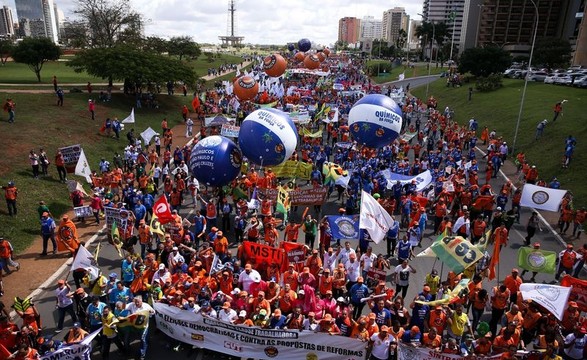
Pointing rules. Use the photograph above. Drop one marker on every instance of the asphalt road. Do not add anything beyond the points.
(109, 261)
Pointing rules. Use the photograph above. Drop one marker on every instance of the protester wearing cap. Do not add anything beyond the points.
(325, 282)
(64, 304)
(174, 260)
(314, 263)
(76, 333)
(353, 270)
(261, 319)
(227, 314)
(381, 344)
(412, 337)
(571, 317)
(432, 340)
(513, 282)
(310, 322)
(567, 260)
(48, 227)
(575, 343)
(328, 325)
(357, 292)
(161, 274)
(243, 320)
(278, 320)
(247, 278)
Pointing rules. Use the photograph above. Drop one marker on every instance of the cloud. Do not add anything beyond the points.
(259, 21)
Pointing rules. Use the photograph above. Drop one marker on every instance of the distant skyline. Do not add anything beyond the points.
(259, 21)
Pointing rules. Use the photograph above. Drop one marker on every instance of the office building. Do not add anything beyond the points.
(393, 21)
(580, 53)
(32, 12)
(370, 28)
(349, 30)
(413, 39)
(6, 22)
(450, 12)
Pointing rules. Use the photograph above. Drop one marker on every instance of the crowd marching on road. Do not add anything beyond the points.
(197, 257)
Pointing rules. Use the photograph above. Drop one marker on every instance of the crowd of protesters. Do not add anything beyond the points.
(331, 291)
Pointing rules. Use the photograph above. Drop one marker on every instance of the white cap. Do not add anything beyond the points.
(243, 313)
(235, 291)
(161, 266)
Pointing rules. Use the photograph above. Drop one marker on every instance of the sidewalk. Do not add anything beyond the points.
(212, 77)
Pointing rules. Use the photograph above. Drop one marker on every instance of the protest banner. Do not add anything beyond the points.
(71, 156)
(543, 198)
(293, 169)
(407, 352)
(456, 253)
(407, 136)
(315, 196)
(578, 292)
(308, 133)
(455, 294)
(83, 211)
(537, 260)
(76, 351)
(422, 180)
(295, 253)
(229, 130)
(263, 255)
(344, 227)
(120, 216)
(254, 342)
(376, 274)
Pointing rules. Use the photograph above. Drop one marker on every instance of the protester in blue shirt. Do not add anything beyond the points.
(127, 270)
(119, 293)
(140, 212)
(419, 312)
(357, 292)
(48, 232)
(392, 235)
(94, 312)
(277, 321)
(404, 250)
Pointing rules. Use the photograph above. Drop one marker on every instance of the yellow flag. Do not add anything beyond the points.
(156, 226)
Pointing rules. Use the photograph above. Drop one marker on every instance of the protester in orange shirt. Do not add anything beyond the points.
(499, 301)
(513, 282)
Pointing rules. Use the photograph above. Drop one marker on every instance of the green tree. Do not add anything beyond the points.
(183, 46)
(155, 44)
(402, 39)
(109, 22)
(552, 53)
(484, 61)
(381, 48)
(427, 31)
(35, 52)
(123, 62)
(6, 47)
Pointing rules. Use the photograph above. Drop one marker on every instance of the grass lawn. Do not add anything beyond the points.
(40, 123)
(15, 73)
(499, 110)
(418, 70)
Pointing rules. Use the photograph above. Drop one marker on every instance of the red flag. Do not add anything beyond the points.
(4, 353)
(295, 253)
(196, 103)
(261, 256)
(494, 260)
(162, 211)
(578, 292)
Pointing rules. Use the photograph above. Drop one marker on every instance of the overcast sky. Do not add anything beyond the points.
(259, 21)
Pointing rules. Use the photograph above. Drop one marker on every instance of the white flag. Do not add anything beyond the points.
(542, 198)
(374, 218)
(131, 118)
(402, 76)
(82, 168)
(554, 298)
(148, 134)
(85, 260)
(73, 185)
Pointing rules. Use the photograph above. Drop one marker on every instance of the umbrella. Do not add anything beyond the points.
(219, 120)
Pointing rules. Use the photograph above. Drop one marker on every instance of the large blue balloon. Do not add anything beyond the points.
(291, 47)
(304, 45)
(375, 120)
(268, 137)
(215, 161)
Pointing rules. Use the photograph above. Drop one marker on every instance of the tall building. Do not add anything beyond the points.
(36, 11)
(413, 39)
(394, 20)
(450, 12)
(370, 28)
(6, 22)
(510, 23)
(349, 30)
(580, 54)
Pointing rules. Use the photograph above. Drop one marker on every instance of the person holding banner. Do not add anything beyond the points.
(382, 344)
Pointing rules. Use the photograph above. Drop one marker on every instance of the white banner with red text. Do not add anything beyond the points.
(254, 342)
(407, 352)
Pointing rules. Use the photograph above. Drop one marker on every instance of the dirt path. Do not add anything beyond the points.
(34, 269)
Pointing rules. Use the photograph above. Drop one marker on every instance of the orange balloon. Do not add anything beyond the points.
(321, 56)
(274, 65)
(326, 51)
(312, 62)
(299, 57)
(246, 88)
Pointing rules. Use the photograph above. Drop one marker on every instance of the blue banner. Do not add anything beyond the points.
(344, 227)
(422, 180)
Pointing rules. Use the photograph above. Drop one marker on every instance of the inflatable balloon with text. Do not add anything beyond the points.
(274, 65)
(312, 62)
(304, 45)
(268, 137)
(215, 161)
(246, 87)
(375, 120)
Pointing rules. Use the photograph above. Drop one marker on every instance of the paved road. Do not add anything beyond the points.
(109, 262)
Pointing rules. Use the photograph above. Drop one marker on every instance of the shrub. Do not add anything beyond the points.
(489, 83)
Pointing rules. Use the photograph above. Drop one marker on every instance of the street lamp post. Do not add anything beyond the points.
(430, 59)
(526, 77)
(452, 39)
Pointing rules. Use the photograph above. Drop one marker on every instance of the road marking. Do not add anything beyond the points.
(52, 280)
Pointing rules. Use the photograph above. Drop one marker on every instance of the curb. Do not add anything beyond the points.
(62, 269)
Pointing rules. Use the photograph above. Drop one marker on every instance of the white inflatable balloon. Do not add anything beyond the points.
(375, 120)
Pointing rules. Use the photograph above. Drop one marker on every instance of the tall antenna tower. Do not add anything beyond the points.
(231, 39)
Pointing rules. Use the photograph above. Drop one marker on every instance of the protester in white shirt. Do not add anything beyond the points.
(353, 270)
(344, 253)
(329, 259)
(227, 314)
(247, 277)
(381, 344)
(367, 260)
